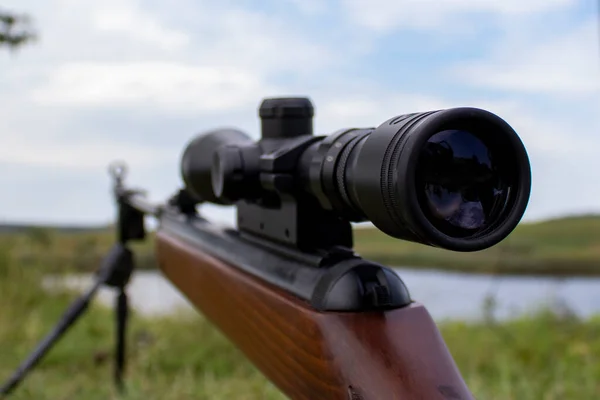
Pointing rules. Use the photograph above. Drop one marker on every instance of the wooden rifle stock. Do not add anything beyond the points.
(310, 355)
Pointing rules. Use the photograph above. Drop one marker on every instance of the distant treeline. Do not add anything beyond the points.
(59, 228)
(23, 228)
(565, 246)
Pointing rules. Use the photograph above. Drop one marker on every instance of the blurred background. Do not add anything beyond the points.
(83, 83)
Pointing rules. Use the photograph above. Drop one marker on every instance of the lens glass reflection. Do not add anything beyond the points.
(460, 183)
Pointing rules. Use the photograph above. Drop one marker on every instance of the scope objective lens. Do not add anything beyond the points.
(456, 178)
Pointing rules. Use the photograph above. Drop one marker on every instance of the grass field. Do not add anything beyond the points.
(567, 246)
(183, 357)
(179, 357)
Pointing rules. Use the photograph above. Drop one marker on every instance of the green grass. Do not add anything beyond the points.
(179, 357)
(59, 251)
(183, 357)
(540, 357)
(566, 246)
(562, 247)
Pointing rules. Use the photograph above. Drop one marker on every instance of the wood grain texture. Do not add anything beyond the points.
(312, 355)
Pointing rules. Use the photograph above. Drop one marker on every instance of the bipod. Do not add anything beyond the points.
(115, 271)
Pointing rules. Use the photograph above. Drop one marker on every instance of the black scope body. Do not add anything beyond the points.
(456, 178)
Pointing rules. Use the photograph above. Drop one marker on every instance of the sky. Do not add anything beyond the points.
(137, 80)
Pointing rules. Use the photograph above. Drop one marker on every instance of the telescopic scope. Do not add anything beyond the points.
(457, 178)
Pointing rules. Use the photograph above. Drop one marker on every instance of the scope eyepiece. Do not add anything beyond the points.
(457, 178)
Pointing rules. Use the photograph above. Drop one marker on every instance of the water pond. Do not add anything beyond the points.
(446, 295)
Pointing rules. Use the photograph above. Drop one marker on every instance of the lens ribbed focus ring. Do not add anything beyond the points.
(342, 170)
(390, 162)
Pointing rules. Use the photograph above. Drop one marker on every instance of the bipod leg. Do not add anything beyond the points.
(122, 313)
(115, 267)
(119, 279)
(68, 319)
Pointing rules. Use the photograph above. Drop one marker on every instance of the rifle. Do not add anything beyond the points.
(285, 286)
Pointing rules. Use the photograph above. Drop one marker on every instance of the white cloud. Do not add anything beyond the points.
(384, 15)
(117, 56)
(123, 54)
(565, 64)
(91, 155)
(541, 135)
(264, 44)
(373, 107)
(129, 19)
(310, 7)
(140, 73)
(172, 87)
